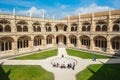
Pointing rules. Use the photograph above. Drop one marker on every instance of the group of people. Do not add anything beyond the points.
(63, 65)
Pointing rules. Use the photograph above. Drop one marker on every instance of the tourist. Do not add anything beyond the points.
(62, 55)
(94, 58)
(57, 65)
(73, 67)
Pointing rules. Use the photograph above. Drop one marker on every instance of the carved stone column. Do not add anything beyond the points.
(91, 43)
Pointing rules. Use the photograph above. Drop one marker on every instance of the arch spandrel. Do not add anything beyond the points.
(25, 37)
(6, 38)
(5, 21)
(22, 22)
(40, 36)
(51, 35)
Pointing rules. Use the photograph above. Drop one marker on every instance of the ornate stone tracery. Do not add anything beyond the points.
(94, 33)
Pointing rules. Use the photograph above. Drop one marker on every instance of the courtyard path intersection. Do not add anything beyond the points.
(60, 74)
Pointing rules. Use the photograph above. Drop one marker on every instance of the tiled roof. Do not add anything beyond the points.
(114, 12)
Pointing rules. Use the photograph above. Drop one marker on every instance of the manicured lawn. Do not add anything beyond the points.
(41, 55)
(24, 73)
(84, 55)
(100, 72)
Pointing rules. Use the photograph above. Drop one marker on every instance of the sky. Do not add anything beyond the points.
(57, 8)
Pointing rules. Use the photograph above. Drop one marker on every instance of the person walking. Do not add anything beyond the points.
(94, 58)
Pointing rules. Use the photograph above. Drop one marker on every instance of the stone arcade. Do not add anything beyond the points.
(95, 32)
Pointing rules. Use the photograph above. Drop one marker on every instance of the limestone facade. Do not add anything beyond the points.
(94, 32)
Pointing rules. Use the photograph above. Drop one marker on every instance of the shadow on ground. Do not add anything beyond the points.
(106, 71)
(4, 75)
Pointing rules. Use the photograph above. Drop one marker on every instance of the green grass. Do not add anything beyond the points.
(100, 72)
(84, 55)
(18, 72)
(41, 55)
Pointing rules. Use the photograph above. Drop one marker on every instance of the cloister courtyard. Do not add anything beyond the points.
(79, 44)
(52, 64)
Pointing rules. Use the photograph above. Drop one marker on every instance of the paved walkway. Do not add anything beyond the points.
(60, 74)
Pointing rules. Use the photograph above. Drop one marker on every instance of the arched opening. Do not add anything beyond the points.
(56, 28)
(7, 28)
(115, 42)
(73, 40)
(88, 28)
(104, 28)
(38, 29)
(38, 40)
(25, 29)
(83, 28)
(61, 40)
(6, 43)
(65, 28)
(22, 26)
(34, 28)
(101, 26)
(1, 28)
(72, 28)
(23, 42)
(49, 39)
(5, 23)
(116, 28)
(19, 28)
(98, 28)
(61, 27)
(100, 43)
(49, 29)
(85, 42)
(76, 28)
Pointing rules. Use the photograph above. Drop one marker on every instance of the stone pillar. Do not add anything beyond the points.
(54, 41)
(53, 27)
(68, 21)
(92, 24)
(43, 27)
(44, 42)
(68, 41)
(0, 47)
(108, 46)
(13, 24)
(79, 25)
(109, 28)
(30, 27)
(31, 45)
(78, 42)
(15, 47)
(91, 44)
